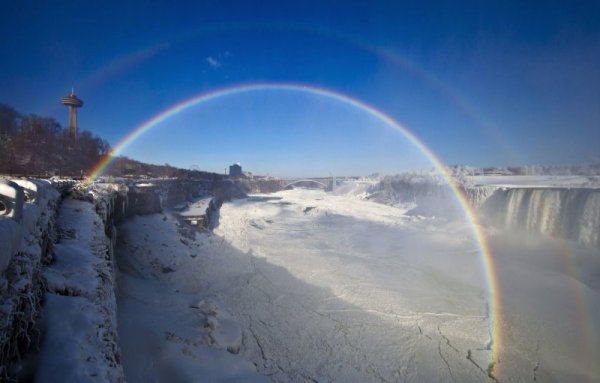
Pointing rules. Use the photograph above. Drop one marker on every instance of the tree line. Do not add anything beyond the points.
(31, 145)
(129, 168)
(36, 146)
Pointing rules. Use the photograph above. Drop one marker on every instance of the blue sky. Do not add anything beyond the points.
(479, 82)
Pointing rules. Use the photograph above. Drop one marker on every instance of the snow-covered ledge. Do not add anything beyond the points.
(80, 338)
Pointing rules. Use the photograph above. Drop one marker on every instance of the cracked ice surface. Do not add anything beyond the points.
(307, 286)
(322, 288)
(332, 288)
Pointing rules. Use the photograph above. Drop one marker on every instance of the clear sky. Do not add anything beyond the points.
(479, 82)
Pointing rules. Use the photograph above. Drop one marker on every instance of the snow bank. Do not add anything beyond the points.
(80, 338)
(168, 331)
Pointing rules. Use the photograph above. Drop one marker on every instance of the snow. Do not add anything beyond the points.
(24, 238)
(303, 293)
(305, 285)
(168, 333)
(70, 350)
(79, 341)
(11, 234)
(197, 208)
(11, 197)
(418, 194)
(348, 275)
(371, 282)
(537, 181)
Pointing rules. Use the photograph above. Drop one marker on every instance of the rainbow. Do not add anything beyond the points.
(121, 64)
(469, 213)
(588, 328)
(384, 53)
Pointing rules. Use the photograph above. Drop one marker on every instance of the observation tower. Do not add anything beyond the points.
(73, 102)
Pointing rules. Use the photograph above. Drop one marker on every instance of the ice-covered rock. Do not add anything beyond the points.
(477, 195)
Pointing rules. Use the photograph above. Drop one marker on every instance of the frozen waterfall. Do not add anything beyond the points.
(560, 212)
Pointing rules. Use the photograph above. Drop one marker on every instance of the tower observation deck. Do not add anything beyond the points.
(73, 102)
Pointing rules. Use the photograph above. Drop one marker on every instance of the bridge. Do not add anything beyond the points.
(318, 183)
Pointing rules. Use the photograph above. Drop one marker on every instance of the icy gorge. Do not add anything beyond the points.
(380, 279)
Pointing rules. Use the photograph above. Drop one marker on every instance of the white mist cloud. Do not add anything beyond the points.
(213, 62)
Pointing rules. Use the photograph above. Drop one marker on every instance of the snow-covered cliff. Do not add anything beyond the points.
(563, 207)
(27, 231)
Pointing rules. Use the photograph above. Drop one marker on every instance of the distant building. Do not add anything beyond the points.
(235, 170)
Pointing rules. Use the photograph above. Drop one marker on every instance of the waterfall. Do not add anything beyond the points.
(566, 213)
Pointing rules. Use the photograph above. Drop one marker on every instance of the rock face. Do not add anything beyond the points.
(151, 197)
(144, 200)
(226, 190)
(181, 191)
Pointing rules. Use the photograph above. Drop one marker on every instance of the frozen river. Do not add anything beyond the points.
(338, 289)
(303, 285)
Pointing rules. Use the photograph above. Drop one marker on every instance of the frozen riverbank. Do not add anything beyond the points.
(322, 287)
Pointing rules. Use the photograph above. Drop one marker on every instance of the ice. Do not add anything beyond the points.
(537, 181)
(225, 332)
(79, 338)
(309, 285)
(168, 332)
(67, 329)
(305, 293)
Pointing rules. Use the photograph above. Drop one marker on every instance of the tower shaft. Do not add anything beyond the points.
(73, 102)
(72, 121)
